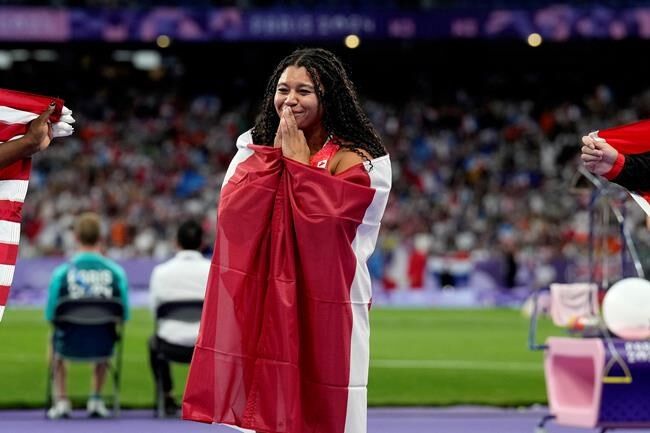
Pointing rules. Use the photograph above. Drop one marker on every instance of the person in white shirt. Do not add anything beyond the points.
(183, 277)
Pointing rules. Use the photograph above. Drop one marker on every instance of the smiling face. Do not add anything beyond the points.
(296, 90)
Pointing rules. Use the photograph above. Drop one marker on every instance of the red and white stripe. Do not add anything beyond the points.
(361, 294)
(17, 109)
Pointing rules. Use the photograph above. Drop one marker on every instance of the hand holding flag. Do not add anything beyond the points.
(28, 123)
(39, 134)
(605, 153)
(597, 155)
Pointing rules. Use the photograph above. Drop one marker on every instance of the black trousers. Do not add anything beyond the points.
(161, 353)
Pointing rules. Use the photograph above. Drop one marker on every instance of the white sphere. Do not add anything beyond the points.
(626, 308)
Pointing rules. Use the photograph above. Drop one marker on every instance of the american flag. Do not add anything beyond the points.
(17, 109)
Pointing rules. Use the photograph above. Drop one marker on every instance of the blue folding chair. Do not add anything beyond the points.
(75, 320)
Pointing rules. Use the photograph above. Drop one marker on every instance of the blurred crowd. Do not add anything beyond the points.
(497, 179)
(473, 178)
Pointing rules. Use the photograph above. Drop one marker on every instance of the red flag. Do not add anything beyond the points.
(17, 109)
(630, 139)
(283, 344)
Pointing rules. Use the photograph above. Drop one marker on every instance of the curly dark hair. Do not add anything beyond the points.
(343, 116)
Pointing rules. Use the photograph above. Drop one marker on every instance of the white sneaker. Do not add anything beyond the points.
(60, 409)
(96, 408)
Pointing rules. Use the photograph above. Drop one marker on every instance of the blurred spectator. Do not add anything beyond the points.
(87, 275)
(184, 277)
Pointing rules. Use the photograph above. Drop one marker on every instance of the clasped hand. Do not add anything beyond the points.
(597, 155)
(291, 139)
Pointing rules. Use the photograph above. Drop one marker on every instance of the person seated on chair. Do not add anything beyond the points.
(183, 277)
(87, 275)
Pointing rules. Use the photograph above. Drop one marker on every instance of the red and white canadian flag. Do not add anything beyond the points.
(284, 339)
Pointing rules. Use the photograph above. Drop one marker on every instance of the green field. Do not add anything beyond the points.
(418, 357)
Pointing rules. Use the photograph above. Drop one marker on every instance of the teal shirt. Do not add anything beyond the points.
(87, 275)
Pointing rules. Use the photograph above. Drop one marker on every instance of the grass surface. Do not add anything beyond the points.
(418, 357)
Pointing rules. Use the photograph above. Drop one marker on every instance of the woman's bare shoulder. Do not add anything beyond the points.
(346, 158)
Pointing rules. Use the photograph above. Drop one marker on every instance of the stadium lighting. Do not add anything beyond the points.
(20, 55)
(352, 41)
(146, 60)
(6, 60)
(163, 41)
(534, 40)
(122, 55)
(46, 55)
